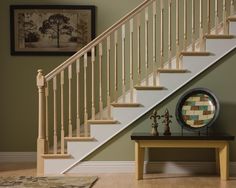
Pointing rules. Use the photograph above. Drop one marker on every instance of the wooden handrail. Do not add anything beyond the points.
(97, 40)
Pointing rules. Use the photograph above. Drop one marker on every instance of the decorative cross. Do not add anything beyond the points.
(167, 121)
(155, 116)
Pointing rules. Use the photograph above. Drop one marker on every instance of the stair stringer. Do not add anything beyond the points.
(149, 99)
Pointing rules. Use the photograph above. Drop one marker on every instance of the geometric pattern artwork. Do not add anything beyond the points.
(198, 110)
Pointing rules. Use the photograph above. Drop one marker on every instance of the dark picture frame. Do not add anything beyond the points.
(207, 98)
(51, 29)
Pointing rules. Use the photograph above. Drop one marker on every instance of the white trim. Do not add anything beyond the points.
(149, 167)
(17, 157)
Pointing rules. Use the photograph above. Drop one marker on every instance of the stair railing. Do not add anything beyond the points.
(121, 58)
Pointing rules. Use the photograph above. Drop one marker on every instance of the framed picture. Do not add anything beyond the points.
(50, 29)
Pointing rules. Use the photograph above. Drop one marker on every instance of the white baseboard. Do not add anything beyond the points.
(17, 157)
(149, 167)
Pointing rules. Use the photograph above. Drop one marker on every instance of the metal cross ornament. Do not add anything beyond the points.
(155, 116)
(167, 121)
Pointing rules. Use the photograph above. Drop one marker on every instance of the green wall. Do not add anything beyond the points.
(18, 112)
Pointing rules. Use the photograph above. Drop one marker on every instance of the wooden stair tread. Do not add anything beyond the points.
(232, 18)
(219, 36)
(79, 139)
(56, 156)
(195, 53)
(125, 104)
(149, 87)
(108, 121)
(172, 70)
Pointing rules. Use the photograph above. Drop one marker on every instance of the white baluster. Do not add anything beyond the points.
(185, 26)
(46, 118)
(161, 34)
(208, 17)
(225, 23)
(201, 27)
(232, 7)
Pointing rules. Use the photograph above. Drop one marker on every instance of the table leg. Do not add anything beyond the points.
(224, 161)
(217, 160)
(139, 161)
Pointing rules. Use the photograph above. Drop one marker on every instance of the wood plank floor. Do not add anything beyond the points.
(128, 181)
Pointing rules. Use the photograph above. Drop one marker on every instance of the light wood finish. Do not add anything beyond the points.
(56, 156)
(132, 105)
(108, 78)
(201, 29)
(62, 112)
(139, 48)
(232, 18)
(154, 53)
(78, 139)
(123, 62)
(193, 25)
(216, 17)
(161, 34)
(172, 70)
(221, 145)
(139, 159)
(169, 34)
(93, 100)
(55, 115)
(146, 46)
(195, 53)
(69, 103)
(41, 122)
(149, 87)
(120, 180)
(46, 118)
(100, 81)
(219, 36)
(131, 56)
(86, 133)
(208, 16)
(99, 39)
(232, 7)
(185, 26)
(109, 121)
(78, 97)
(116, 65)
(177, 35)
(225, 23)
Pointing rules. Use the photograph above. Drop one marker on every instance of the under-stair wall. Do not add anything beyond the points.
(132, 69)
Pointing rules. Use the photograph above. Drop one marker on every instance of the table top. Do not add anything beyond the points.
(180, 136)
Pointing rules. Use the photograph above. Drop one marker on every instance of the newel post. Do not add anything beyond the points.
(41, 123)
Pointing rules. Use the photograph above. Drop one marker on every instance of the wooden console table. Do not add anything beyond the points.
(218, 141)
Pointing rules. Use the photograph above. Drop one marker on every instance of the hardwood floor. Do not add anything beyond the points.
(128, 181)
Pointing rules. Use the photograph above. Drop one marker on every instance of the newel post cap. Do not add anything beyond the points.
(40, 78)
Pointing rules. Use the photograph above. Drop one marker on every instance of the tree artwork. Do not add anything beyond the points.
(55, 26)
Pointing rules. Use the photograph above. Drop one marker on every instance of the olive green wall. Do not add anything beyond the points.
(220, 79)
(18, 112)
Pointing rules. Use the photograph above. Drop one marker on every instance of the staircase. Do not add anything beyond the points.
(134, 65)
